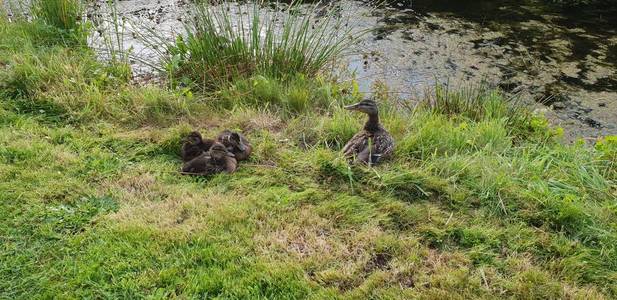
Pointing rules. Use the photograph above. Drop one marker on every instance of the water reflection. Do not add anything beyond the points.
(563, 58)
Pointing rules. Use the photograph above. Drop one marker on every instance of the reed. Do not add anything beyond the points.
(228, 41)
(66, 16)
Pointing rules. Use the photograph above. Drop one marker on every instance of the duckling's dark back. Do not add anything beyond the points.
(194, 145)
(236, 143)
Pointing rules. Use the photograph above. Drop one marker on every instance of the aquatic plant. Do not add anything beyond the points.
(481, 102)
(111, 29)
(64, 15)
(229, 41)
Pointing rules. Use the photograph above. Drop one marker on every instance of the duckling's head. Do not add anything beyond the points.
(219, 151)
(236, 142)
(366, 106)
(194, 138)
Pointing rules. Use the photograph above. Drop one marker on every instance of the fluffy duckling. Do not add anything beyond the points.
(373, 143)
(194, 145)
(216, 160)
(236, 143)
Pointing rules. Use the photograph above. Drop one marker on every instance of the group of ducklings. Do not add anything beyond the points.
(210, 156)
(369, 146)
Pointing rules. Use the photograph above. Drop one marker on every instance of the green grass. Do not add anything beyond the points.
(479, 201)
(293, 96)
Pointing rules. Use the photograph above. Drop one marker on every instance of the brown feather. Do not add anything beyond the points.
(233, 145)
(382, 146)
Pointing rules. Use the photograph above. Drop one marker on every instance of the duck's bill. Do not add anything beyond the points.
(352, 107)
(230, 154)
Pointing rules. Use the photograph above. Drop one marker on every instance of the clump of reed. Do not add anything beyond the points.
(65, 16)
(226, 42)
(482, 102)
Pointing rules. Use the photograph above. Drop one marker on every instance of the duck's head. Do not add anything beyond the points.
(219, 151)
(193, 138)
(366, 106)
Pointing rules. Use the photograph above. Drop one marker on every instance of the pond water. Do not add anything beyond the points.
(563, 59)
(562, 62)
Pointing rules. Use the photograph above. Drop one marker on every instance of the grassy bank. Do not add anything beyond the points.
(480, 200)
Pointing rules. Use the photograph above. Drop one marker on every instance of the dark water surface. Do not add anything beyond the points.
(565, 59)
(587, 30)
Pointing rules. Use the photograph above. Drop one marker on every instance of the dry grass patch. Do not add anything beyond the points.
(346, 259)
(307, 236)
(182, 213)
(148, 201)
(252, 120)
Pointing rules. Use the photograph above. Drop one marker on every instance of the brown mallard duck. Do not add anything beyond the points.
(194, 145)
(236, 143)
(373, 143)
(216, 160)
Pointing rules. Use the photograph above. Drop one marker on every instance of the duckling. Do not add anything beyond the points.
(216, 160)
(236, 143)
(194, 145)
(373, 143)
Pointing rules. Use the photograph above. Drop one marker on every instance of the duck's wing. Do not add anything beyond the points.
(207, 144)
(383, 143)
(383, 146)
(230, 164)
(190, 152)
(244, 140)
(364, 156)
(223, 137)
(197, 164)
(356, 144)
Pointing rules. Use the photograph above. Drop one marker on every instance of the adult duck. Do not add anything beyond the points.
(373, 143)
